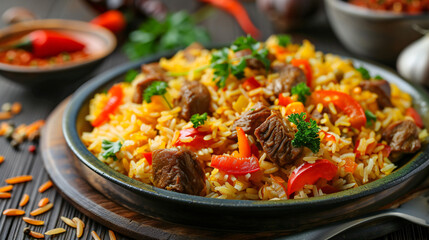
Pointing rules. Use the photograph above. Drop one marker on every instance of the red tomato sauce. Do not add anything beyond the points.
(21, 57)
(398, 6)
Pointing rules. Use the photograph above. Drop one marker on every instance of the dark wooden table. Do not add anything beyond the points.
(38, 105)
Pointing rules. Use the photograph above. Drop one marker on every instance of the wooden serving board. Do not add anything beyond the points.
(60, 164)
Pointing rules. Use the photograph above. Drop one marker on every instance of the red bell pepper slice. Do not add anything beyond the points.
(116, 96)
(148, 157)
(197, 141)
(284, 101)
(343, 102)
(237, 10)
(113, 20)
(386, 150)
(255, 151)
(309, 173)
(234, 165)
(368, 150)
(243, 143)
(251, 84)
(307, 69)
(416, 116)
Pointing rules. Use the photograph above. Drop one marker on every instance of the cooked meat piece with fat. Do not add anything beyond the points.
(289, 76)
(152, 72)
(276, 135)
(250, 120)
(402, 136)
(194, 98)
(177, 170)
(382, 89)
(189, 51)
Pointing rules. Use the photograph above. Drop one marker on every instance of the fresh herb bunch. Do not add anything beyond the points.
(308, 132)
(157, 88)
(177, 30)
(364, 72)
(131, 75)
(370, 117)
(223, 66)
(284, 40)
(198, 120)
(110, 149)
(302, 90)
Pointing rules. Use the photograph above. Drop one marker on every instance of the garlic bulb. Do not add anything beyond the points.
(413, 62)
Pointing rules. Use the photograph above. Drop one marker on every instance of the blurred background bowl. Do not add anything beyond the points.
(99, 44)
(378, 35)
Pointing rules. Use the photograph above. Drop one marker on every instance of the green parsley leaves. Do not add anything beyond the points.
(308, 132)
(370, 117)
(177, 30)
(156, 88)
(110, 149)
(198, 120)
(258, 51)
(130, 76)
(302, 90)
(364, 72)
(284, 40)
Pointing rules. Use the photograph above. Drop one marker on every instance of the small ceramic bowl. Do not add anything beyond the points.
(377, 35)
(238, 215)
(99, 44)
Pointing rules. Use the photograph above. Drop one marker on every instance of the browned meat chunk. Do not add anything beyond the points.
(189, 51)
(317, 116)
(177, 170)
(402, 136)
(289, 76)
(194, 98)
(152, 72)
(250, 120)
(382, 89)
(275, 136)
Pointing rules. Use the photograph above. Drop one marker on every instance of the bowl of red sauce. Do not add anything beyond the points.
(52, 52)
(377, 30)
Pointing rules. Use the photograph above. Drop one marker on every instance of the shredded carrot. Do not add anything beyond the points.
(19, 179)
(16, 108)
(43, 202)
(45, 186)
(6, 188)
(4, 195)
(13, 212)
(5, 115)
(34, 127)
(24, 200)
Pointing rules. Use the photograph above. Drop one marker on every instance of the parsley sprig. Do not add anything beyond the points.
(308, 132)
(157, 88)
(364, 72)
(302, 90)
(130, 76)
(283, 40)
(110, 149)
(198, 120)
(370, 117)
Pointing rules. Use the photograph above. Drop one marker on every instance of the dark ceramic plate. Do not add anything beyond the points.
(244, 215)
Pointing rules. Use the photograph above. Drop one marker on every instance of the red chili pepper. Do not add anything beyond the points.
(197, 139)
(116, 96)
(251, 84)
(309, 173)
(284, 101)
(416, 116)
(235, 8)
(343, 102)
(234, 165)
(44, 43)
(113, 20)
(307, 68)
(148, 157)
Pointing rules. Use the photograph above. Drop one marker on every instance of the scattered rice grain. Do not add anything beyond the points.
(43, 202)
(13, 212)
(41, 210)
(79, 226)
(45, 186)
(95, 235)
(33, 221)
(19, 179)
(55, 231)
(68, 222)
(24, 200)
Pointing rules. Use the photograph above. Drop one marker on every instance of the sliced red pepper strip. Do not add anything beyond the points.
(284, 101)
(344, 103)
(197, 141)
(255, 151)
(251, 84)
(237, 10)
(116, 96)
(148, 157)
(113, 20)
(234, 165)
(309, 173)
(386, 150)
(243, 143)
(416, 116)
(307, 68)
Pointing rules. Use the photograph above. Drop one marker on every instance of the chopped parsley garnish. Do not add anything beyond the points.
(378, 77)
(110, 148)
(370, 117)
(302, 90)
(223, 66)
(308, 132)
(131, 75)
(364, 72)
(157, 88)
(283, 40)
(198, 120)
